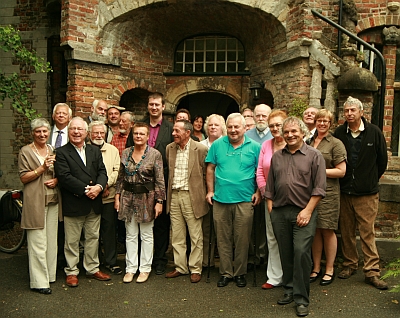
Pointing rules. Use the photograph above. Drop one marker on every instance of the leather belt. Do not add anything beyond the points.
(138, 187)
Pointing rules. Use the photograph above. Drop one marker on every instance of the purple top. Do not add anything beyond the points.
(153, 134)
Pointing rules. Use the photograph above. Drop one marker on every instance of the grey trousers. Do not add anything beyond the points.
(236, 219)
(295, 249)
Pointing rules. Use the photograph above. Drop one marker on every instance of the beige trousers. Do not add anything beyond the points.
(181, 215)
(42, 250)
(73, 228)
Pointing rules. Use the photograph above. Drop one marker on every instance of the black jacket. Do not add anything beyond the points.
(73, 176)
(363, 178)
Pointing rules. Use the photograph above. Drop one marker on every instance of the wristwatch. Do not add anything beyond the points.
(160, 201)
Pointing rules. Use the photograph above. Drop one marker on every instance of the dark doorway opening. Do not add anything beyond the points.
(205, 104)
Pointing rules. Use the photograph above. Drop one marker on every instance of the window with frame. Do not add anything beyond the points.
(371, 62)
(210, 54)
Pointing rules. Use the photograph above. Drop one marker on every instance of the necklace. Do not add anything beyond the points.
(37, 151)
(132, 173)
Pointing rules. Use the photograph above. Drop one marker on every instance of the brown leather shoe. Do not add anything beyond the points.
(99, 276)
(72, 281)
(195, 277)
(346, 272)
(173, 274)
(376, 282)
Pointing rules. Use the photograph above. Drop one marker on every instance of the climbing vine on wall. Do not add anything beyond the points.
(15, 86)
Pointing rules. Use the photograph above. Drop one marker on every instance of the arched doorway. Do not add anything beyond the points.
(205, 104)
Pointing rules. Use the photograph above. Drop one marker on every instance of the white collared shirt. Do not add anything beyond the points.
(81, 152)
(357, 132)
(64, 135)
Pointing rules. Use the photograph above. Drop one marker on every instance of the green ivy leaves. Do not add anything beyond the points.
(15, 86)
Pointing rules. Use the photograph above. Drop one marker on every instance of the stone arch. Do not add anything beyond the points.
(377, 21)
(110, 10)
(192, 86)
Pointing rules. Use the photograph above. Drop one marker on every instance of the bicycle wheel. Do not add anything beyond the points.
(12, 237)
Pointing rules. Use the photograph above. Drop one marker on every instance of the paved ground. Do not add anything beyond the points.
(161, 297)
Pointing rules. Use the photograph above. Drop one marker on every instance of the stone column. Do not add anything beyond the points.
(315, 89)
(330, 98)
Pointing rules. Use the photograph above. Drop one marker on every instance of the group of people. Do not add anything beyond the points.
(277, 189)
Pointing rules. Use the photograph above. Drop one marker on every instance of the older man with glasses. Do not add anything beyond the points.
(232, 190)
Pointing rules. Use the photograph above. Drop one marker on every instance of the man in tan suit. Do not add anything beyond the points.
(186, 202)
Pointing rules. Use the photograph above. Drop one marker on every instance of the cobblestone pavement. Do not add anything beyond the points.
(177, 297)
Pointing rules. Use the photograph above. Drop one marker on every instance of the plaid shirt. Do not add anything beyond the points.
(119, 141)
(181, 172)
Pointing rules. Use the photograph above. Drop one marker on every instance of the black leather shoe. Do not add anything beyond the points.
(223, 281)
(287, 299)
(314, 278)
(301, 310)
(44, 291)
(325, 282)
(160, 269)
(240, 281)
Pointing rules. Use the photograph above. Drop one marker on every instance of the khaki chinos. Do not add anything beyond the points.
(359, 212)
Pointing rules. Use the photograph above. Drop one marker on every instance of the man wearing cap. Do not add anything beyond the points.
(113, 118)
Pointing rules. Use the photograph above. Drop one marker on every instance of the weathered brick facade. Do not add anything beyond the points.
(122, 50)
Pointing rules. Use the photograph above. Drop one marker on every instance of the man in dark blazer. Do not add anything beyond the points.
(160, 136)
(82, 177)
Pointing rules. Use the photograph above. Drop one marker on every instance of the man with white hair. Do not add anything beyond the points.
(232, 190)
(366, 163)
(108, 223)
(62, 114)
(99, 111)
(82, 178)
(261, 132)
(309, 120)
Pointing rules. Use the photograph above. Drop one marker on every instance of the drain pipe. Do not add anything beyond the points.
(369, 46)
(339, 41)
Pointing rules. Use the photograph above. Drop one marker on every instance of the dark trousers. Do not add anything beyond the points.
(161, 231)
(108, 233)
(61, 262)
(295, 249)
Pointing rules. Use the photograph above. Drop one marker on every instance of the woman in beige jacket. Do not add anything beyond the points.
(41, 209)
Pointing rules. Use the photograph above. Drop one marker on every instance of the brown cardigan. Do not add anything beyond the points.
(34, 192)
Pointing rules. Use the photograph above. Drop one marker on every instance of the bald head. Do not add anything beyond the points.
(309, 117)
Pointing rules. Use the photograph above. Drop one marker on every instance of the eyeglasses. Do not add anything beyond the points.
(321, 121)
(98, 133)
(274, 125)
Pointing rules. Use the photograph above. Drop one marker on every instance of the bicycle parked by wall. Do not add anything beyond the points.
(12, 236)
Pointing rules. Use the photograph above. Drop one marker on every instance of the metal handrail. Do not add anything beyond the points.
(369, 46)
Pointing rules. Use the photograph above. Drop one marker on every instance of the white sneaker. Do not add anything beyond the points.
(128, 278)
(142, 277)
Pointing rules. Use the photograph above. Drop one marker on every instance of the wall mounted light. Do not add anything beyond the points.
(256, 88)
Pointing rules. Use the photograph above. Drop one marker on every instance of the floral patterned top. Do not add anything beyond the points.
(140, 206)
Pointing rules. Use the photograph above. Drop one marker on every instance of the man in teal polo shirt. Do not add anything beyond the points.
(232, 190)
